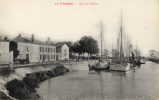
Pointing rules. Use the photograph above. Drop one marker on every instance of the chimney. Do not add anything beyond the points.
(32, 38)
(19, 35)
(48, 40)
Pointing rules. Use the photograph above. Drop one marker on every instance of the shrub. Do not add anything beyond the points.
(41, 76)
(60, 69)
(31, 80)
(18, 89)
(51, 73)
(22, 89)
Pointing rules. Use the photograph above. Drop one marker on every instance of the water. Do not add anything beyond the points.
(141, 84)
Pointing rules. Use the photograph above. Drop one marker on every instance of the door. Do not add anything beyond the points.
(27, 58)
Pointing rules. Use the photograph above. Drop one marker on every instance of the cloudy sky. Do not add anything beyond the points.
(69, 22)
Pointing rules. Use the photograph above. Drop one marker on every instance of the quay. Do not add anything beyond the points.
(156, 60)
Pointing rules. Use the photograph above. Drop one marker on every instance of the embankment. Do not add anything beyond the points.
(156, 60)
(24, 87)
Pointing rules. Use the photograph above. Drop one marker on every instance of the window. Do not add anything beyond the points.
(43, 57)
(40, 49)
(43, 49)
(54, 56)
(40, 57)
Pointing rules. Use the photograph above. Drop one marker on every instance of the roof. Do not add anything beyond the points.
(59, 46)
(29, 40)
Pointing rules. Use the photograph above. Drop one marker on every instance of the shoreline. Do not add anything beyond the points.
(29, 78)
(156, 60)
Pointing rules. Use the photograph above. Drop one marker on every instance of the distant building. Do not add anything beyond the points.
(6, 57)
(35, 50)
(62, 51)
(158, 54)
(153, 53)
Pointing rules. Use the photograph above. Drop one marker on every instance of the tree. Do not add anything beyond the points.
(89, 45)
(6, 38)
(13, 47)
(77, 48)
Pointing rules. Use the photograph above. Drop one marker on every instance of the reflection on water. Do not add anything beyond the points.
(139, 84)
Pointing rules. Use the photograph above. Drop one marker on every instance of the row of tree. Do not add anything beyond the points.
(86, 44)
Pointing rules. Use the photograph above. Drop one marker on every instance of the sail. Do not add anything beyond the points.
(123, 42)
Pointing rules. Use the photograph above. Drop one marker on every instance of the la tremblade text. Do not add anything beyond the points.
(71, 3)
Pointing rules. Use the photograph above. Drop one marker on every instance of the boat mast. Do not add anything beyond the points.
(118, 45)
(121, 41)
(101, 37)
(136, 51)
(112, 51)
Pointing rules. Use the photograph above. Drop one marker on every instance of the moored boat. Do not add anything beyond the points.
(101, 64)
(122, 62)
(123, 67)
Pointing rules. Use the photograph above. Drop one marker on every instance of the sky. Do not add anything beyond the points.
(44, 19)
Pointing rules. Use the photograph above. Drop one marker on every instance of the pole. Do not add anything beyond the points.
(101, 37)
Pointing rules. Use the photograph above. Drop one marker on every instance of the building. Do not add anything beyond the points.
(34, 50)
(6, 57)
(62, 51)
(153, 53)
(158, 54)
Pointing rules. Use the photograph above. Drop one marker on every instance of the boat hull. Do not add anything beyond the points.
(120, 67)
(99, 66)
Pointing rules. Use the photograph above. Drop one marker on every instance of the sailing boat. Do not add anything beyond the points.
(121, 62)
(101, 64)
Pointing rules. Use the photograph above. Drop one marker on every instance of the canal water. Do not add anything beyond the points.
(139, 84)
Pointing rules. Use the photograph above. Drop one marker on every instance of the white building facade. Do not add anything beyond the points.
(62, 52)
(35, 51)
(6, 57)
(47, 53)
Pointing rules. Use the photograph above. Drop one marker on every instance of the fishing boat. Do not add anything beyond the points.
(143, 61)
(121, 62)
(101, 64)
(123, 67)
